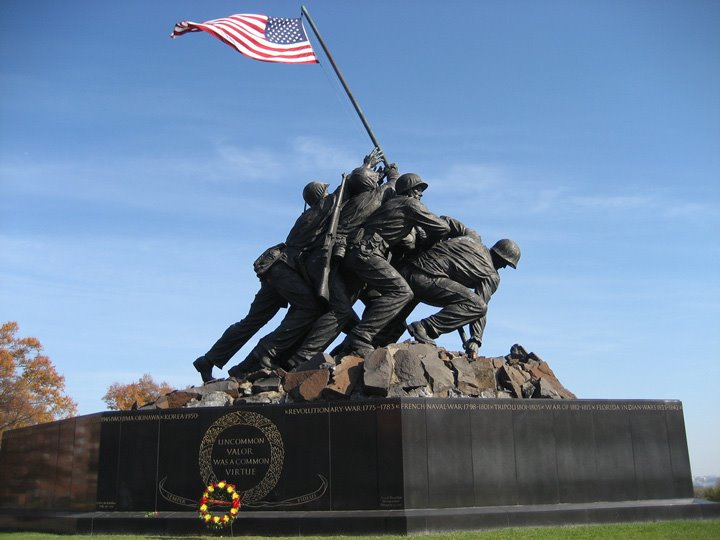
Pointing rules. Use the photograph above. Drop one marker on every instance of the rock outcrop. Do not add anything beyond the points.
(398, 370)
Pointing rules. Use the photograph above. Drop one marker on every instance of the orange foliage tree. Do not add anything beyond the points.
(120, 397)
(31, 389)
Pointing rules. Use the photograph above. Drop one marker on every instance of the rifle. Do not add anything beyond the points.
(463, 337)
(329, 243)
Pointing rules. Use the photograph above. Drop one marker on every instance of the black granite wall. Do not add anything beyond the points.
(501, 452)
(377, 454)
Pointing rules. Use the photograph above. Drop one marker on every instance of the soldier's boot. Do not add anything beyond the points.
(295, 360)
(338, 349)
(419, 333)
(204, 367)
(255, 361)
(354, 346)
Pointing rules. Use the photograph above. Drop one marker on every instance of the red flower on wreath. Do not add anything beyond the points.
(219, 495)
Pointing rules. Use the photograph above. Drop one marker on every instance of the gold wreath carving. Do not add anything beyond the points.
(272, 435)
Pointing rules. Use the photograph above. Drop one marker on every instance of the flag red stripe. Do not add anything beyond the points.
(243, 47)
(237, 28)
(246, 48)
(256, 22)
(258, 44)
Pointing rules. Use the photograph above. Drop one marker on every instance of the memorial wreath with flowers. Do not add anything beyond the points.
(216, 496)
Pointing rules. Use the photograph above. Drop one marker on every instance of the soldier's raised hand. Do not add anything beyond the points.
(390, 171)
(373, 158)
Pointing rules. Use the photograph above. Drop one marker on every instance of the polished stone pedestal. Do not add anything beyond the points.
(386, 465)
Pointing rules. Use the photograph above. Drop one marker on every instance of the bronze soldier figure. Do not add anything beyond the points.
(366, 193)
(367, 255)
(407, 251)
(281, 283)
(443, 276)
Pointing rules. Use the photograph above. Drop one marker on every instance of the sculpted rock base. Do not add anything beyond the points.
(399, 370)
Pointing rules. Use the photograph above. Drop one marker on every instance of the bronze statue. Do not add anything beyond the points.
(366, 193)
(366, 259)
(288, 276)
(281, 283)
(411, 247)
(374, 241)
(444, 275)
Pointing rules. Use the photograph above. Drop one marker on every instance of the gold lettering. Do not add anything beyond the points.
(240, 442)
(245, 471)
(239, 451)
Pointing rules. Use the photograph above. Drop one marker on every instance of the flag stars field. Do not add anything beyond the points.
(285, 31)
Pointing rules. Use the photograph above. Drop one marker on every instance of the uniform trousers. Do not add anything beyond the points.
(279, 286)
(460, 305)
(377, 274)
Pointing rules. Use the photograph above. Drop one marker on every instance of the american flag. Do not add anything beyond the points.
(269, 39)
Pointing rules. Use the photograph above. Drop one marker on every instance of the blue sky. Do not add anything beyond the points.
(140, 177)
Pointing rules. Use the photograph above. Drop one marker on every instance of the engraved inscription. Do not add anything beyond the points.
(243, 448)
(154, 417)
(241, 455)
(483, 405)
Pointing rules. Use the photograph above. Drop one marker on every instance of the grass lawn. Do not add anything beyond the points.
(675, 530)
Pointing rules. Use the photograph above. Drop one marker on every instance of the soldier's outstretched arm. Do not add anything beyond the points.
(435, 227)
(458, 228)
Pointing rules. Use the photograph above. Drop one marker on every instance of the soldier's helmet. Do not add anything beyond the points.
(314, 191)
(361, 180)
(408, 181)
(508, 250)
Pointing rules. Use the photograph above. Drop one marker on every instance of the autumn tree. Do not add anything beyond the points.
(31, 389)
(120, 397)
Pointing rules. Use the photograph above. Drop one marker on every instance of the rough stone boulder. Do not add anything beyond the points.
(399, 370)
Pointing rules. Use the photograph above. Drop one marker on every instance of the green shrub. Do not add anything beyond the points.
(710, 494)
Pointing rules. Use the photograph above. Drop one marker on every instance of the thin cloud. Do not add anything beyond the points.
(248, 165)
(691, 210)
(613, 202)
(313, 154)
(500, 190)
(304, 157)
(474, 178)
(230, 179)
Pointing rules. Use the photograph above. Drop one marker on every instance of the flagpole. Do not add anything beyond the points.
(345, 86)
